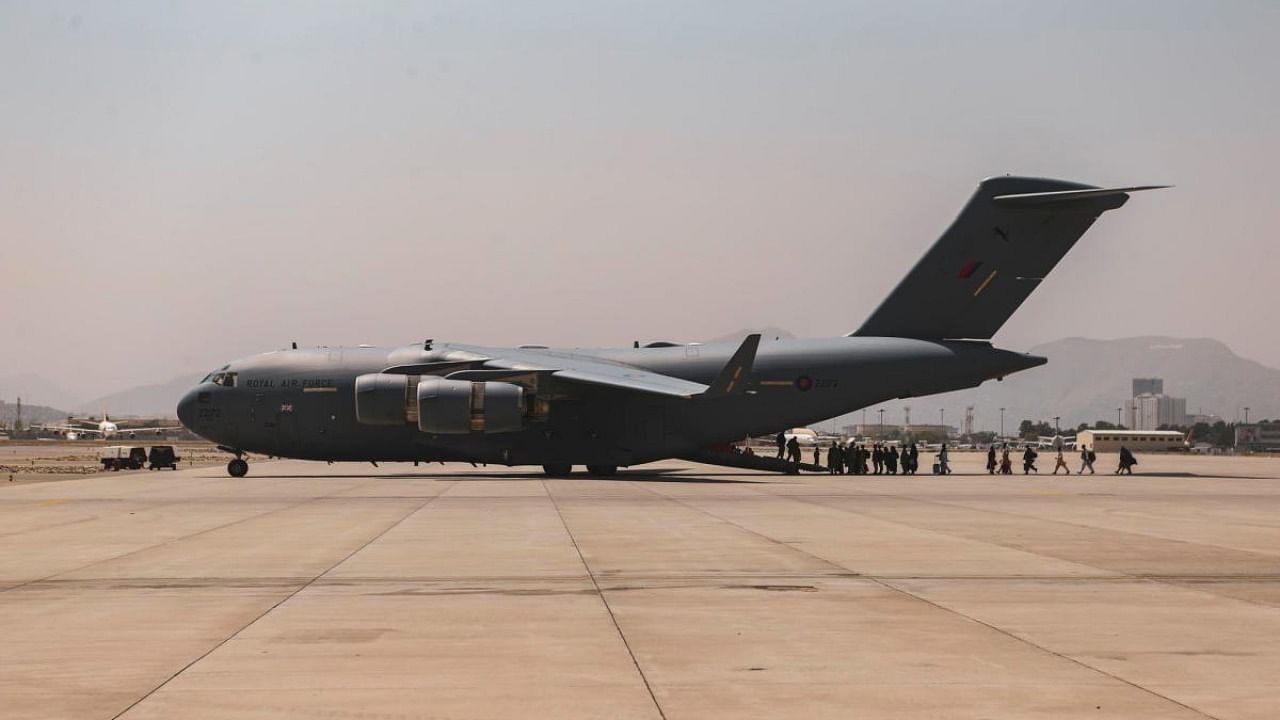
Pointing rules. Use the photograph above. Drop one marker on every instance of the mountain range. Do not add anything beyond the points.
(1085, 381)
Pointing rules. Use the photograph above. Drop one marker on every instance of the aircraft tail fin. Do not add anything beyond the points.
(1013, 231)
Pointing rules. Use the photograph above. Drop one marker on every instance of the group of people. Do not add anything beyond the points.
(848, 458)
(852, 459)
(1004, 466)
(886, 459)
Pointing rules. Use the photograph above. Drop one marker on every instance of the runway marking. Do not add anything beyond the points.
(47, 503)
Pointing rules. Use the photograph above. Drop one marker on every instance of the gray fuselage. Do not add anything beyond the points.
(301, 403)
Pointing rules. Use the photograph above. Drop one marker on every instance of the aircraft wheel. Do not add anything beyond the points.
(603, 470)
(237, 468)
(557, 469)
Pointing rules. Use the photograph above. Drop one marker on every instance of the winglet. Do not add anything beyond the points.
(733, 378)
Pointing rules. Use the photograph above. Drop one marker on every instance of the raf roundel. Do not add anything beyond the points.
(804, 383)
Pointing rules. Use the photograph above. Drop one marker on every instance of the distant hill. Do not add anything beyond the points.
(1086, 380)
(145, 400)
(35, 389)
(30, 414)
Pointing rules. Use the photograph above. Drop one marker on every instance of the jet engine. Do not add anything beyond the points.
(439, 405)
(382, 399)
(452, 407)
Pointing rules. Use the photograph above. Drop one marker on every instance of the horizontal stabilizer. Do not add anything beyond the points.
(1057, 196)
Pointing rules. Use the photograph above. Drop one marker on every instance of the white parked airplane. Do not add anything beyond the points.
(104, 428)
(1056, 442)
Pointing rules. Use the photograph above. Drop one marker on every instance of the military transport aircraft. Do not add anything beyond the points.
(610, 408)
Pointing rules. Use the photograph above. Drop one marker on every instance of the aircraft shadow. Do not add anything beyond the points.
(666, 476)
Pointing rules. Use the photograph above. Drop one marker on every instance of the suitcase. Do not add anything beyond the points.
(937, 468)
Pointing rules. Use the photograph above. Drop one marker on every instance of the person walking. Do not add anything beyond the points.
(1029, 460)
(1006, 465)
(914, 458)
(891, 460)
(944, 467)
(1060, 463)
(817, 454)
(1127, 461)
(991, 460)
(1086, 460)
(793, 450)
(833, 458)
(781, 441)
(877, 459)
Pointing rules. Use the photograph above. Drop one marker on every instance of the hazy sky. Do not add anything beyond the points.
(184, 183)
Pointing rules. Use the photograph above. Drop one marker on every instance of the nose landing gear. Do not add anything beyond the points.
(238, 468)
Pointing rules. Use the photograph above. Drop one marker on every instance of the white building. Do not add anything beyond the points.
(1148, 411)
(1135, 440)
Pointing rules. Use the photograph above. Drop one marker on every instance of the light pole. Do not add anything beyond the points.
(881, 411)
(1246, 414)
(1057, 429)
(1001, 423)
(1117, 417)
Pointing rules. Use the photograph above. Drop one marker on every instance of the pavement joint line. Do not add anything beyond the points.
(171, 540)
(605, 601)
(283, 600)
(1157, 579)
(1037, 518)
(907, 593)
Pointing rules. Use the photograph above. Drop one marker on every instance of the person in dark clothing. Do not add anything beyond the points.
(781, 441)
(1127, 461)
(891, 460)
(793, 450)
(1029, 461)
(1006, 465)
(834, 461)
(1087, 457)
(913, 459)
(991, 460)
(877, 459)
(817, 455)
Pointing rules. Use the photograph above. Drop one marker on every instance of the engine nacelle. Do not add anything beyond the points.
(382, 399)
(454, 407)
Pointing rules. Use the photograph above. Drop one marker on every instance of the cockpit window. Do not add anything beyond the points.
(225, 379)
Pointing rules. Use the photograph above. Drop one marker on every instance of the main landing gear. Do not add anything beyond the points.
(565, 469)
(238, 468)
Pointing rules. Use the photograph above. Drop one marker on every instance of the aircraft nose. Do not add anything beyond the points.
(187, 410)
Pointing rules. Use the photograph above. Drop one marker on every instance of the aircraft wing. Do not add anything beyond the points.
(65, 428)
(588, 371)
(603, 373)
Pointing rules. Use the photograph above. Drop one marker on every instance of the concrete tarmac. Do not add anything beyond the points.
(671, 591)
